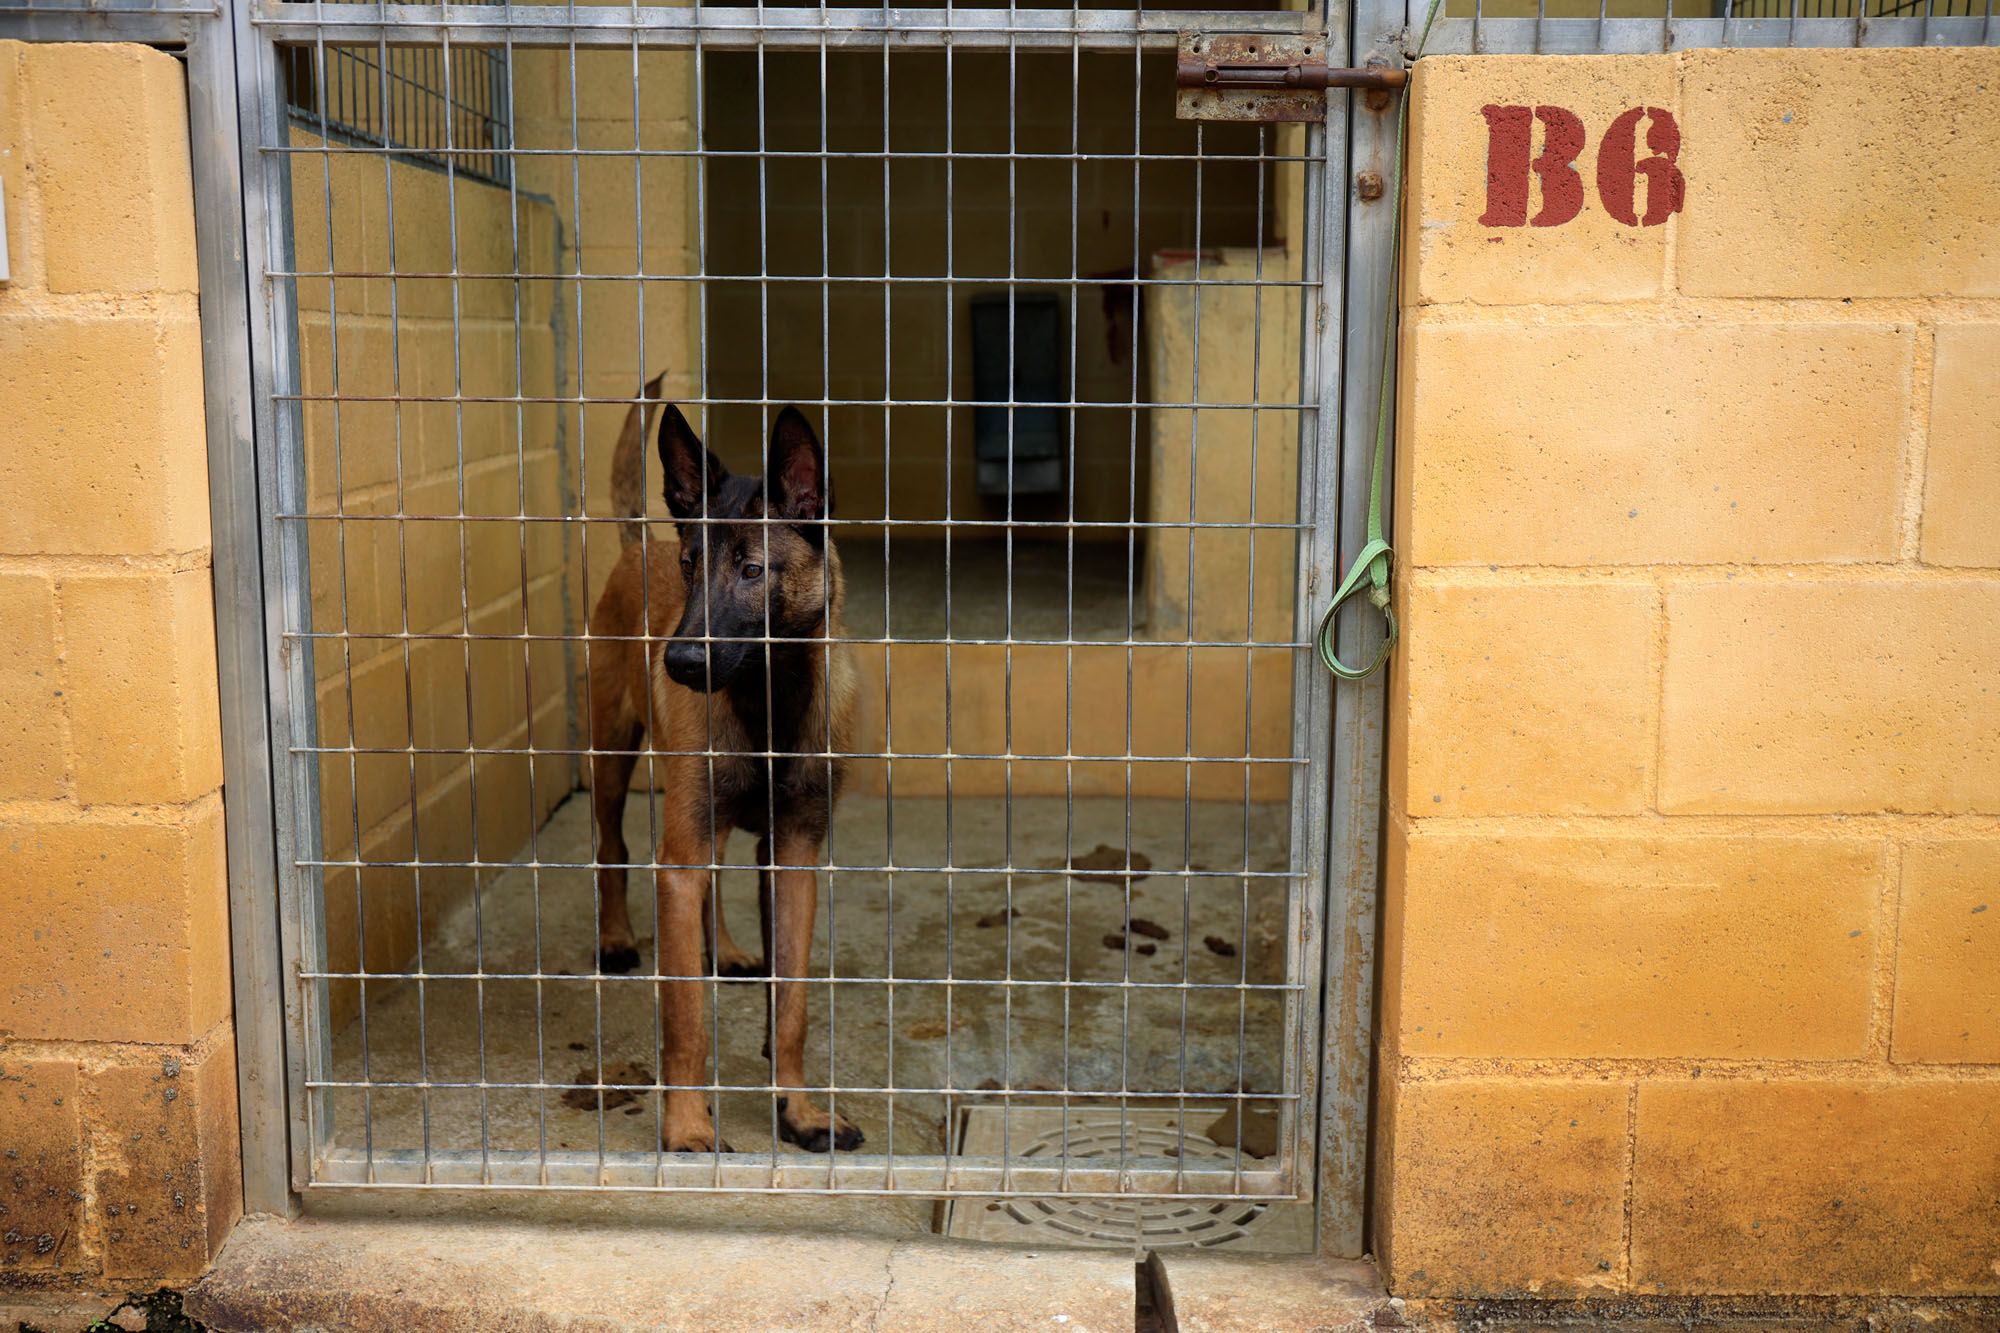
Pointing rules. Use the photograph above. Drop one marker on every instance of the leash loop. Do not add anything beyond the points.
(1375, 560)
(1370, 570)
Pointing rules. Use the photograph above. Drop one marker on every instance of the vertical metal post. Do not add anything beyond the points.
(1318, 490)
(1355, 815)
(240, 629)
(272, 325)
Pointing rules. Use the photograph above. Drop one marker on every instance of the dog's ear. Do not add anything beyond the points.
(688, 469)
(795, 472)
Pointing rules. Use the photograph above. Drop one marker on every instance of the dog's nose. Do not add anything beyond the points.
(686, 661)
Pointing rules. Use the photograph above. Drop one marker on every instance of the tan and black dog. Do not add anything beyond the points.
(718, 645)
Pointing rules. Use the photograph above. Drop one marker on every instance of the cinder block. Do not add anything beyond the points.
(112, 166)
(106, 450)
(164, 1154)
(117, 929)
(489, 230)
(1839, 172)
(357, 574)
(353, 184)
(370, 788)
(1637, 443)
(375, 929)
(33, 727)
(1830, 1188)
(139, 670)
(628, 200)
(1835, 696)
(1507, 1188)
(1961, 524)
(1397, 834)
(607, 88)
(1637, 945)
(1455, 256)
(1526, 699)
(41, 1147)
(1948, 954)
(24, 239)
(1095, 719)
(352, 446)
(608, 342)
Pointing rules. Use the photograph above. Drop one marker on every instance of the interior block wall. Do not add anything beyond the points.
(605, 136)
(1042, 219)
(117, 1060)
(1693, 867)
(406, 428)
(584, 119)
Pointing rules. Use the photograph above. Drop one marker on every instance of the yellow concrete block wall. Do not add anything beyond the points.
(117, 1070)
(1692, 919)
(401, 439)
(1224, 465)
(604, 131)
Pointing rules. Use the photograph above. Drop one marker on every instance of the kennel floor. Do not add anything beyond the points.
(980, 1037)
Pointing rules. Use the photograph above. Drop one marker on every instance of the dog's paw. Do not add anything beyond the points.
(620, 960)
(742, 969)
(701, 1141)
(823, 1133)
(843, 1136)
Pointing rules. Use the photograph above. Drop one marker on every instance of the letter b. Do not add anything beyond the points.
(1508, 163)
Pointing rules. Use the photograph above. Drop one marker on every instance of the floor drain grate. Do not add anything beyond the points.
(1098, 1222)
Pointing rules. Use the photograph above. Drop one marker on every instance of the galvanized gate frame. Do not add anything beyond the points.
(1360, 293)
(243, 233)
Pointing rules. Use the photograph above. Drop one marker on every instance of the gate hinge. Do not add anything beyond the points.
(1253, 77)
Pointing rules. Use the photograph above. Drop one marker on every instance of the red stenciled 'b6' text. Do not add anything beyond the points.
(1511, 162)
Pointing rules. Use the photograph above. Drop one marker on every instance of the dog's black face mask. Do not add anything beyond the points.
(753, 571)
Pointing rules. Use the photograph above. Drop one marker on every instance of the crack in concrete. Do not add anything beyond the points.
(888, 1286)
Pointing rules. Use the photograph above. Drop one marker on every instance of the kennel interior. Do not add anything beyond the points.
(1051, 337)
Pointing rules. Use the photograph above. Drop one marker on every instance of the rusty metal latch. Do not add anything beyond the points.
(1241, 76)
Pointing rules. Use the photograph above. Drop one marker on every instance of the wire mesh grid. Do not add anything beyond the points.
(109, 10)
(1012, 772)
(396, 97)
(1559, 27)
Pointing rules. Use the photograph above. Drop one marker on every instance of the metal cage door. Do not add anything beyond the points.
(457, 293)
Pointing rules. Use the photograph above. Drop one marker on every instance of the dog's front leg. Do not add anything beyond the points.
(794, 902)
(730, 960)
(611, 778)
(681, 895)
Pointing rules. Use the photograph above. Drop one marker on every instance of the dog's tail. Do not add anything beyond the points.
(628, 463)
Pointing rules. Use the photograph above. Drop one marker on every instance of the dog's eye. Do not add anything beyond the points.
(753, 570)
(687, 562)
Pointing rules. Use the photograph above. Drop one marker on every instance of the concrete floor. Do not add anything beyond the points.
(1106, 592)
(512, 1028)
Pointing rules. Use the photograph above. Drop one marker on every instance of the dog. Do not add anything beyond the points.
(723, 645)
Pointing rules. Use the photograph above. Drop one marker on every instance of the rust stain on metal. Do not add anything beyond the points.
(1263, 78)
(1247, 77)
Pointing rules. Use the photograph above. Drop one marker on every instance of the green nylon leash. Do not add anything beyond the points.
(1373, 562)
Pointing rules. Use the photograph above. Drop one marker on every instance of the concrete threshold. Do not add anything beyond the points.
(55, 1311)
(1213, 1291)
(461, 1275)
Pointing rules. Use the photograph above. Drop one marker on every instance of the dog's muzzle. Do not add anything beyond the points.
(695, 666)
